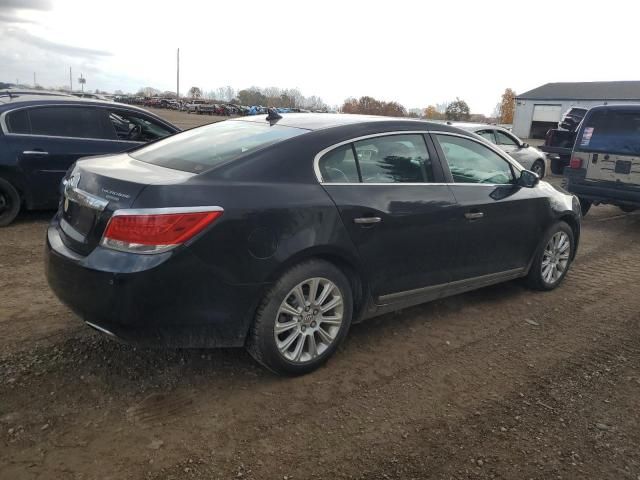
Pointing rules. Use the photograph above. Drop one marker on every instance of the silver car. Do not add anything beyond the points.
(529, 157)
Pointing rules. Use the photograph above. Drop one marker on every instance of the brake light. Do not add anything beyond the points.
(156, 230)
(575, 162)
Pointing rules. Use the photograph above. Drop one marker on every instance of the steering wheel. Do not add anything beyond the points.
(134, 132)
(338, 174)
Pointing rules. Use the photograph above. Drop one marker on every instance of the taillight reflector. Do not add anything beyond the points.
(575, 162)
(155, 232)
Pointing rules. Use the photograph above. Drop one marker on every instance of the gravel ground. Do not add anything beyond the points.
(500, 383)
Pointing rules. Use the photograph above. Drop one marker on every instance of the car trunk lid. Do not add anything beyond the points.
(99, 186)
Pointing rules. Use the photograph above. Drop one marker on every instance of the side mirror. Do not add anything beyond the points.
(528, 179)
(525, 145)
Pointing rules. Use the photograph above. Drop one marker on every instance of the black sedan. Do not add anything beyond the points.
(42, 135)
(278, 233)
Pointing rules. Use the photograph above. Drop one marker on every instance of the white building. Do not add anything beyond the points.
(540, 109)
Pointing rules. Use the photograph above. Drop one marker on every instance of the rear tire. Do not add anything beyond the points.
(553, 258)
(290, 338)
(9, 203)
(557, 166)
(585, 206)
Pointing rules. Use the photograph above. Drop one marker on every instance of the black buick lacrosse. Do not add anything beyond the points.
(277, 233)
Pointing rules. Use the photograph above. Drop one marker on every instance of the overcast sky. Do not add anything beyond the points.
(417, 53)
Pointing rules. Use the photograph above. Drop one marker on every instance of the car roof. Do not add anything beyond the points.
(8, 102)
(319, 121)
(474, 127)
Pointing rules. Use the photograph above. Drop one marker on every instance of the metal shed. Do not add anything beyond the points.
(540, 109)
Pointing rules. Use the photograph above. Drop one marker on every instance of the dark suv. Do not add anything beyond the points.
(605, 161)
(41, 136)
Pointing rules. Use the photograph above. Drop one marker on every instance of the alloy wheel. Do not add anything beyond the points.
(309, 320)
(555, 258)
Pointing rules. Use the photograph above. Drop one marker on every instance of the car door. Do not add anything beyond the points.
(497, 222)
(392, 200)
(55, 137)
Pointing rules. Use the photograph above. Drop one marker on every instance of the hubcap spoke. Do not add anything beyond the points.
(283, 327)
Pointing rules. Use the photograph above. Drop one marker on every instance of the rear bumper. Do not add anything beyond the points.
(600, 192)
(170, 299)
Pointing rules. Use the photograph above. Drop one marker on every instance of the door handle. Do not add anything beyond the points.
(367, 220)
(35, 152)
(473, 215)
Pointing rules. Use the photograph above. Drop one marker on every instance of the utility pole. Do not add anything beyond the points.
(34, 80)
(70, 81)
(178, 76)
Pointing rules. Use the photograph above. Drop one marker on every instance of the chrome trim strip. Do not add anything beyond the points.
(35, 152)
(495, 149)
(165, 210)
(84, 199)
(480, 280)
(101, 329)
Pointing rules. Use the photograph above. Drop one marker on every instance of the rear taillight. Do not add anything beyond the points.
(575, 162)
(156, 230)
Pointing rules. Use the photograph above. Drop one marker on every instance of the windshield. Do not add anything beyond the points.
(203, 148)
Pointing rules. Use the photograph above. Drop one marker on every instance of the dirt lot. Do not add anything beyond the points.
(500, 383)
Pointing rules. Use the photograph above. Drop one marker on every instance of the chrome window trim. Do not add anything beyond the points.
(5, 129)
(166, 210)
(316, 161)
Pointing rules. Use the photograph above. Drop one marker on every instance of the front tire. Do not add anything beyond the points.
(553, 258)
(9, 203)
(302, 319)
(557, 166)
(585, 206)
(538, 168)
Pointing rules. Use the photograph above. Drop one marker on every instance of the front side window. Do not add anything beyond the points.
(504, 139)
(134, 128)
(471, 162)
(394, 159)
(79, 122)
(206, 147)
(487, 135)
(339, 166)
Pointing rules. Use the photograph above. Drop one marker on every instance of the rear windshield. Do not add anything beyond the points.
(203, 148)
(611, 131)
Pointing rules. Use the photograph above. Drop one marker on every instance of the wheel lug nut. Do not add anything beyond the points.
(303, 328)
(313, 324)
(306, 309)
(315, 312)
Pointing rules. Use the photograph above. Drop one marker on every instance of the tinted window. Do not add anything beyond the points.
(203, 148)
(67, 122)
(610, 131)
(504, 139)
(339, 166)
(487, 135)
(471, 162)
(18, 122)
(394, 159)
(135, 128)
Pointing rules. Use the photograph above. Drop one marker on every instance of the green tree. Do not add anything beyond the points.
(458, 111)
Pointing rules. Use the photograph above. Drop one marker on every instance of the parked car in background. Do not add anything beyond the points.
(529, 157)
(605, 160)
(558, 142)
(279, 232)
(42, 136)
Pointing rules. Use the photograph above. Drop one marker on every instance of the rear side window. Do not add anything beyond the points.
(394, 159)
(18, 122)
(206, 147)
(611, 131)
(339, 166)
(79, 122)
(504, 139)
